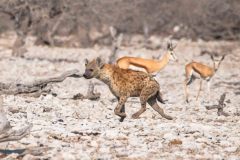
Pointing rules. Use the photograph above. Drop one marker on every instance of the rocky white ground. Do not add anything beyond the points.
(84, 129)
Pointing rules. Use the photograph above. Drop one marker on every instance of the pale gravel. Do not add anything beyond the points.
(203, 134)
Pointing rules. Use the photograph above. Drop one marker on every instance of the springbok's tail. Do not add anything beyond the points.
(159, 97)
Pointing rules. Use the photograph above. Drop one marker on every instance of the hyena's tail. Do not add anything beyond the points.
(159, 97)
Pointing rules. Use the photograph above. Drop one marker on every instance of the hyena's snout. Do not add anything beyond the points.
(87, 74)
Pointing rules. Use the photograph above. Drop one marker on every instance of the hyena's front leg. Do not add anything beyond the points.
(122, 111)
(119, 110)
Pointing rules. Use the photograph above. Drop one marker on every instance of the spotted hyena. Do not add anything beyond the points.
(125, 83)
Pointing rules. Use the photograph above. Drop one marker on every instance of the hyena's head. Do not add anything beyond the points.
(93, 68)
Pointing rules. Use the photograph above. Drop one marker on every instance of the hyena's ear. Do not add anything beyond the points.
(99, 62)
(86, 61)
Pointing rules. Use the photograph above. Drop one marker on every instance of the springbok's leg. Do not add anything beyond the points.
(200, 88)
(209, 90)
(188, 80)
(186, 90)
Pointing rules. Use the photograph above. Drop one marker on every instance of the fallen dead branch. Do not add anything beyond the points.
(51, 60)
(8, 134)
(6, 131)
(14, 135)
(220, 106)
(90, 94)
(86, 133)
(38, 86)
(58, 60)
(35, 151)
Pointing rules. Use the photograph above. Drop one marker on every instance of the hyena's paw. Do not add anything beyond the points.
(168, 117)
(135, 116)
(121, 114)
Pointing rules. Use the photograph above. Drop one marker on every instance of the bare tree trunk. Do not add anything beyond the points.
(116, 43)
(18, 48)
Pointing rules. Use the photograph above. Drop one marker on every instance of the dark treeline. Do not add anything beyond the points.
(88, 21)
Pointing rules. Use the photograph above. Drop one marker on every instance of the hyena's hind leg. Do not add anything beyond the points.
(146, 93)
(152, 101)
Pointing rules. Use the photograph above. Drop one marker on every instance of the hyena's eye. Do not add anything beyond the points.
(91, 70)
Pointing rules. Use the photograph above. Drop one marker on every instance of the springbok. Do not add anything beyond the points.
(150, 65)
(196, 70)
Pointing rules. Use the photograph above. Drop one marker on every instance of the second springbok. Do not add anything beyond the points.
(196, 70)
(150, 65)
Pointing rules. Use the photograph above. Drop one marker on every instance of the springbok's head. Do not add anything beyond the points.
(92, 68)
(217, 62)
(171, 52)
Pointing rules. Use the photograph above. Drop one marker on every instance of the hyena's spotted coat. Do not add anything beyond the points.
(125, 83)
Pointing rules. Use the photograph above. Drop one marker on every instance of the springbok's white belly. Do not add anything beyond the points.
(137, 68)
(196, 75)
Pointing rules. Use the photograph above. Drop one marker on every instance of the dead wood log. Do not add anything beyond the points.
(6, 131)
(220, 106)
(34, 151)
(59, 60)
(4, 123)
(36, 86)
(8, 134)
(90, 94)
(51, 60)
(14, 135)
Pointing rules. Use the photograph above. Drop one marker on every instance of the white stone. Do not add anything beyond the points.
(230, 149)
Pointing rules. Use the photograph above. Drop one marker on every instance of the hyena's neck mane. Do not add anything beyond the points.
(105, 74)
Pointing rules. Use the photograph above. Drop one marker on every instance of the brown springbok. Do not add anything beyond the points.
(196, 70)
